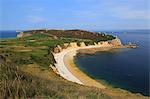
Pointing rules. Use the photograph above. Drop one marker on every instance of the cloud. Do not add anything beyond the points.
(36, 19)
(37, 9)
(130, 13)
(34, 8)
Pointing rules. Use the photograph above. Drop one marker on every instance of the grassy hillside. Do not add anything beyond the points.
(21, 55)
(80, 34)
(17, 81)
(25, 72)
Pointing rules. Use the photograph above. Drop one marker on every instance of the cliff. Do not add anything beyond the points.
(73, 45)
(116, 42)
(22, 34)
(82, 44)
(111, 43)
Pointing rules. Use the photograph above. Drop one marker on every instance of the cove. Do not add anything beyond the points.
(122, 68)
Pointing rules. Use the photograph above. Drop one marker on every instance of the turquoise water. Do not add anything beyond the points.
(123, 68)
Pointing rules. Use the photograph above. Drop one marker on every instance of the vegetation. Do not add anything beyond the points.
(16, 82)
(80, 34)
(17, 55)
(25, 72)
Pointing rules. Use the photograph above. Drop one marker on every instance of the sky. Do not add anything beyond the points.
(74, 14)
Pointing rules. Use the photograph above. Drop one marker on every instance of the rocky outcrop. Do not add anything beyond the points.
(56, 50)
(111, 43)
(82, 44)
(95, 43)
(116, 42)
(66, 45)
(54, 69)
(106, 44)
(73, 45)
(59, 47)
(21, 34)
(99, 43)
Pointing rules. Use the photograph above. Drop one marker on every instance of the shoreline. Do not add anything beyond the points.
(84, 78)
(67, 69)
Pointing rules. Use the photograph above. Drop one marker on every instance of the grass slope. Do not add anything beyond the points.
(21, 55)
(25, 72)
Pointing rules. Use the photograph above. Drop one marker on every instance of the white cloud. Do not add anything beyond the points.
(34, 8)
(37, 9)
(36, 19)
(129, 13)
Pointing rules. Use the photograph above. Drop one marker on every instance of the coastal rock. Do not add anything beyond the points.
(116, 42)
(54, 69)
(100, 43)
(21, 34)
(73, 45)
(95, 43)
(56, 50)
(58, 46)
(82, 44)
(104, 44)
(66, 45)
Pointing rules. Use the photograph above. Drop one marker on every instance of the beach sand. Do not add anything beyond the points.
(85, 79)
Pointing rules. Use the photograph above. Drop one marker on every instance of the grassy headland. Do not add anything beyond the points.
(25, 72)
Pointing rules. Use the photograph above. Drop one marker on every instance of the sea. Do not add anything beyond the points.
(120, 68)
(126, 68)
(8, 34)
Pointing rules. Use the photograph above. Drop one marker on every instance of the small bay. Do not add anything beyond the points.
(123, 68)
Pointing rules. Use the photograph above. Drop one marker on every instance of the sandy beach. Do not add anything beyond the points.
(84, 79)
(68, 70)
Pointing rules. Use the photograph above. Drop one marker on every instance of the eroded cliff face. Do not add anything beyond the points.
(73, 45)
(116, 42)
(66, 45)
(111, 43)
(95, 43)
(21, 34)
(56, 50)
(59, 48)
(82, 44)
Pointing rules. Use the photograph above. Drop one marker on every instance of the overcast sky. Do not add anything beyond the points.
(74, 14)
